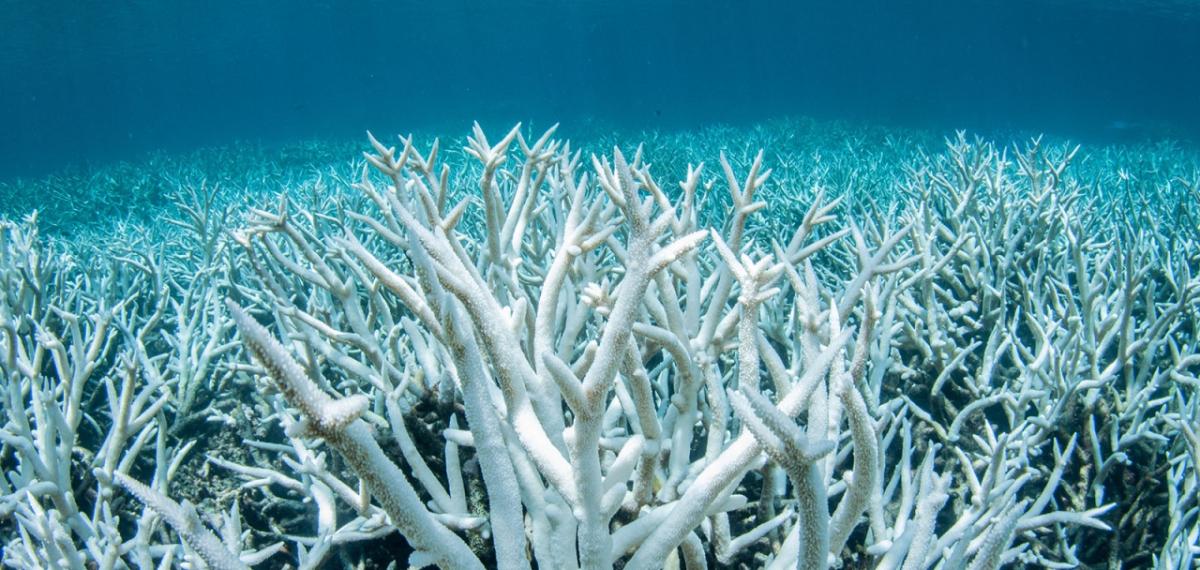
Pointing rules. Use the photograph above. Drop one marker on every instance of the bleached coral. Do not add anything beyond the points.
(519, 356)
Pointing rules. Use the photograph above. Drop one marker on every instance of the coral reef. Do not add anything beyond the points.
(855, 347)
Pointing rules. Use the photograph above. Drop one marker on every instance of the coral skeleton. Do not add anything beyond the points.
(858, 350)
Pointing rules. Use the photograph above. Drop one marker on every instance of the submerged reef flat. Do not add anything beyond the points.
(799, 345)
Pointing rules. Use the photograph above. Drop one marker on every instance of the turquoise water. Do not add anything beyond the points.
(97, 81)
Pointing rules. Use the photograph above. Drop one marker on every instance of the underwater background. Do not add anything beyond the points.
(102, 81)
(957, 242)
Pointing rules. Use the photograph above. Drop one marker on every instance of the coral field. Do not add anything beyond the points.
(825, 345)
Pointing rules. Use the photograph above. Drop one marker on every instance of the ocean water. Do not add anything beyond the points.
(611, 284)
(95, 82)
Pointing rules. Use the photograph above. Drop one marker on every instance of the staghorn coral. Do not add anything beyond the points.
(850, 351)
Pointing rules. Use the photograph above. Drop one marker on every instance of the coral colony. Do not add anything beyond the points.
(854, 348)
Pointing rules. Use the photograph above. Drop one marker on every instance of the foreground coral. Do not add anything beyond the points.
(519, 357)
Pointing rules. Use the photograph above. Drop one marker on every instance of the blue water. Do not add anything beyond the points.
(88, 82)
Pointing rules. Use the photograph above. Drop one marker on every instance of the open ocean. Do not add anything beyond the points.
(103, 81)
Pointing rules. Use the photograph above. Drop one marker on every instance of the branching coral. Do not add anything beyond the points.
(519, 358)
